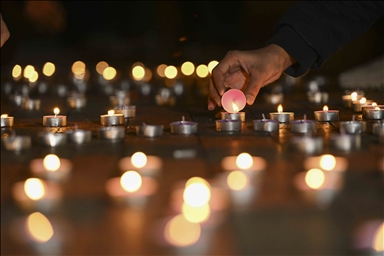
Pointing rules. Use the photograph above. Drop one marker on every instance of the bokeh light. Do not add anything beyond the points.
(39, 227)
(170, 72)
(187, 68)
(34, 188)
(315, 178)
(180, 232)
(202, 71)
(49, 69)
(130, 181)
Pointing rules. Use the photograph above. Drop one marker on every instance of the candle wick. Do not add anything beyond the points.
(263, 116)
(353, 117)
(182, 118)
(305, 117)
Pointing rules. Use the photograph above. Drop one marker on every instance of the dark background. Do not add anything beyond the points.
(157, 32)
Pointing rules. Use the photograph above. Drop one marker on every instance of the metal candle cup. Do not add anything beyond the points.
(308, 145)
(127, 111)
(79, 136)
(282, 117)
(357, 106)
(183, 127)
(31, 104)
(368, 107)
(112, 133)
(228, 125)
(303, 126)
(56, 120)
(17, 143)
(326, 115)
(345, 142)
(112, 119)
(353, 127)
(376, 113)
(233, 116)
(149, 130)
(266, 125)
(6, 121)
(52, 139)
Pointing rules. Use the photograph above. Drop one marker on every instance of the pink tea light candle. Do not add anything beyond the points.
(326, 115)
(233, 100)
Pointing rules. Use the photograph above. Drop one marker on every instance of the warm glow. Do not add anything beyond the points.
(325, 108)
(101, 66)
(28, 71)
(235, 107)
(354, 96)
(377, 108)
(130, 181)
(194, 180)
(237, 180)
(363, 100)
(280, 108)
(39, 227)
(34, 188)
(139, 159)
(202, 71)
(56, 111)
(4, 115)
(148, 75)
(374, 104)
(187, 68)
(51, 162)
(49, 69)
(315, 178)
(244, 161)
(78, 68)
(212, 65)
(16, 71)
(196, 214)
(327, 162)
(138, 73)
(111, 112)
(181, 232)
(197, 194)
(378, 240)
(109, 73)
(161, 70)
(33, 76)
(170, 72)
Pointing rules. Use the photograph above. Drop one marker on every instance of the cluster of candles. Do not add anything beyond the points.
(370, 109)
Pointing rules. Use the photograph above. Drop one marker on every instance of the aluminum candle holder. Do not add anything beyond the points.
(77, 102)
(308, 145)
(112, 133)
(53, 139)
(376, 113)
(183, 127)
(345, 142)
(79, 136)
(56, 120)
(228, 125)
(370, 107)
(17, 143)
(266, 125)
(357, 106)
(149, 130)
(127, 111)
(31, 104)
(303, 126)
(326, 115)
(353, 127)
(6, 121)
(233, 116)
(112, 119)
(282, 117)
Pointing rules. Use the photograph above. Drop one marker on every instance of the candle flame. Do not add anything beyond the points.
(363, 100)
(111, 112)
(131, 181)
(197, 194)
(4, 116)
(180, 232)
(244, 161)
(280, 108)
(237, 180)
(325, 108)
(39, 227)
(235, 107)
(56, 111)
(354, 96)
(139, 159)
(51, 162)
(374, 104)
(327, 162)
(34, 188)
(377, 108)
(315, 178)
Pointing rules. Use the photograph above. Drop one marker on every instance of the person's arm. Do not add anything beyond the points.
(311, 31)
(4, 32)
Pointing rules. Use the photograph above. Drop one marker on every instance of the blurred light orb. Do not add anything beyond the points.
(327, 162)
(161, 70)
(197, 194)
(237, 180)
(202, 71)
(187, 68)
(139, 159)
(212, 65)
(101, 66)
(109, 73)
(28, 70)
(49, 69)
(244, 161)
(39, 227)
(315, 178)
(131, 181)
(170, 72)
(180, 232)
(138, 73)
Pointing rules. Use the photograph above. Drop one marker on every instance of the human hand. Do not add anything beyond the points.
(247, 71)
(4, 32)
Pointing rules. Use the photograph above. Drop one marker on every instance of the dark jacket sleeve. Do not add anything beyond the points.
(311, 31)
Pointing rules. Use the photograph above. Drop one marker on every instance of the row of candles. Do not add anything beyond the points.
(194, 204)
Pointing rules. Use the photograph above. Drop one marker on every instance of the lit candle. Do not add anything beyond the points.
(36, 194)
(233, 116)
(282, 117)
(131, 189)
(266, 125)
(349, 98)
(233, 100)
(358, 104)
(51, 167)
(326, 115)
(376, 113)
(149, 130)
(228, 125)
(183, 127)
(303, 126)
(112, 119)
(6, 121)
(144, 164)
(55, 120)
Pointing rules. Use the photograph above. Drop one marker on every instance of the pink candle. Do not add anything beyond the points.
(233, 100)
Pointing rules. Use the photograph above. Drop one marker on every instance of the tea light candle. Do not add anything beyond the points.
(233, 100)
(308, 145)
(127, 111)
(376, 113)
(131, 189)
(112, 119)
(55, 120)
(31, 104)
(303, 126)
(378, 129)
(51, 167)
(273, 98)
(228, 125)
(52, 139)
(282, 117)
(149, 130)
(358, 104)
(6, 121)
(37, 195)
(353, 127)
(112, 133)
(183, 127)
(77, 101)
(348, 99)
(326, 115)
(16, 143)
(266, 125)
(78, 136)
(345, 142)
(233, 116)
(144, 164)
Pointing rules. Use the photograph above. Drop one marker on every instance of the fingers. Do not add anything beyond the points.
(214, 97)
(253, 88)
